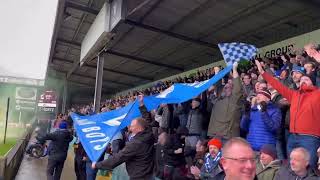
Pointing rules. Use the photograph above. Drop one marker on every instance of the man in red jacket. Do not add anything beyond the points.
(304, 120)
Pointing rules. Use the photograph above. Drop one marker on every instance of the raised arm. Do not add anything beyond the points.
(282, 89)
(237, 87)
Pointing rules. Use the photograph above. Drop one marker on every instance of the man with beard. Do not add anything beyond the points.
(304, 121)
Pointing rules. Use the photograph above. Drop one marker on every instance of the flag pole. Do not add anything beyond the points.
(6, 125)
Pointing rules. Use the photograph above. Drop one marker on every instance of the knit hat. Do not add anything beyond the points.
(299, 69)
(63, 125)
(216, 142)
(270, 150)
(265, 92)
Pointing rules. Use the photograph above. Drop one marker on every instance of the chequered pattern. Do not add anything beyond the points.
(234, 52)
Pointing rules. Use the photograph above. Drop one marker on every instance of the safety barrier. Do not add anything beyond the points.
(10, 163)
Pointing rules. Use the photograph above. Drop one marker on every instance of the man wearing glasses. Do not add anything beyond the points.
(238, 160)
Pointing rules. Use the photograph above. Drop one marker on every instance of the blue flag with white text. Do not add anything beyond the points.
(96, 131)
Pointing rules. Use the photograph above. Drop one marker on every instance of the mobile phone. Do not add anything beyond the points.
(259, 107)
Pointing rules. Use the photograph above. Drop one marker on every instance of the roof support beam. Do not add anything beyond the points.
(82, 8)
(269, 25)
(171, 34)
(81, 83)
(93, 77)
(104, 91)
(122, 73)
(104, 80)
(91, 86)
(249, 10)
(129, 57)
(143, 60)
(62, 60)
(142, 5)
(107, 69)
(69, 42)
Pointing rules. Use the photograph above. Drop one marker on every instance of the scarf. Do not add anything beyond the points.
(210, 162)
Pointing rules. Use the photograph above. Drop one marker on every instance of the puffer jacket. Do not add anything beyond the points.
(262, 126)
(304, 106)
(269, 172)
(195, 121)
(166, 115)
(226, 114)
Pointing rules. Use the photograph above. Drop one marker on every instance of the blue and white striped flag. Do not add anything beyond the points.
(234, 52)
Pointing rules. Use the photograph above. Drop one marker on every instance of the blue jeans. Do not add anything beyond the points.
(310, 143)
(91, 173)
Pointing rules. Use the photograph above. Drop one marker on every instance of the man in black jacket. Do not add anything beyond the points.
(137, 153)
(57, 150)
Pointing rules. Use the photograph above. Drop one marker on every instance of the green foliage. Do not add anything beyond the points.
(244, 65)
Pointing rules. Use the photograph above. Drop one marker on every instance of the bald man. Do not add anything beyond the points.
(137, 153)
(238, 160)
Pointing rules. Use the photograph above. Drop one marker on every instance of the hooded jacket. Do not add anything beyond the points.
(137, 154)
(304, 106)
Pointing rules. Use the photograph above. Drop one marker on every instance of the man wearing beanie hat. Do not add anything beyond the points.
(304, 120)
(211, 167)
(310, 68)
(57, 150)
(268, 164)
(262, 122)
(296, 74)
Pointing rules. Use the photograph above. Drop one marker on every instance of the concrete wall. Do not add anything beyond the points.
(10, 163)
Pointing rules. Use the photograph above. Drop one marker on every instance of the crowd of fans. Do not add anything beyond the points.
(272, 103)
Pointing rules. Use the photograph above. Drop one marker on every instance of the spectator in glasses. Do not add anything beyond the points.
(238, 160)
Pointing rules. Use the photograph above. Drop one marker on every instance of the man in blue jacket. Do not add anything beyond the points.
(262, 121)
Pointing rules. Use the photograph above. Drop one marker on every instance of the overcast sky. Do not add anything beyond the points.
(25, 37)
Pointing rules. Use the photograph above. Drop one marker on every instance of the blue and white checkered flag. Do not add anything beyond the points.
(234, 52)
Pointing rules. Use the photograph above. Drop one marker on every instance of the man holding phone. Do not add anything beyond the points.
(261, 121)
